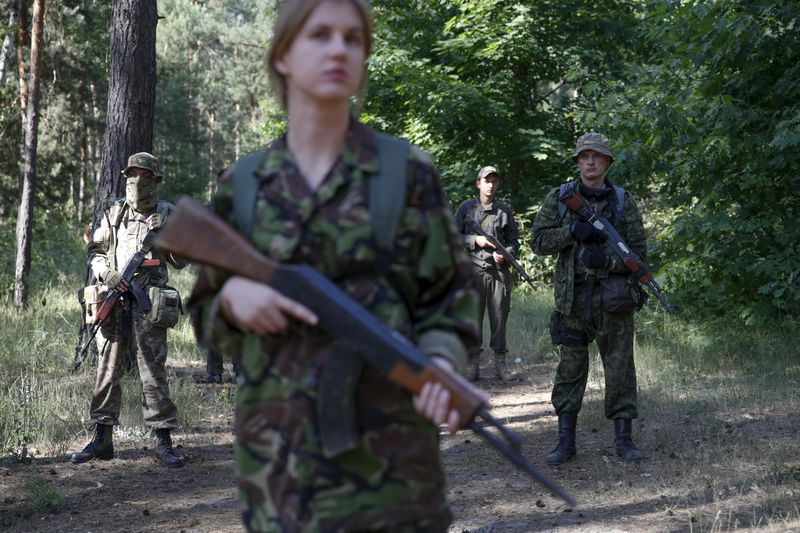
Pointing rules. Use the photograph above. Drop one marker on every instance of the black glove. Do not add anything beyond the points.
(593, 257)
(585, 232)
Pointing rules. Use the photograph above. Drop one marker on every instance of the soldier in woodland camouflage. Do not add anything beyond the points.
(592, 297)
(120, 234)
(312, 206)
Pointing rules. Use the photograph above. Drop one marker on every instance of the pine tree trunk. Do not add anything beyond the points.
(131, 93)
(25, 215)
(8, 42)
(22, 39)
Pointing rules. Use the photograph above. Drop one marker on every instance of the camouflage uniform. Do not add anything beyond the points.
(118, 237)
(494, 283)
(613, 331)
(393, 480)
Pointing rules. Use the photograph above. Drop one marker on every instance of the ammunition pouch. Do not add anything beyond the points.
(561, 333)
(91, 298)
(166, 307)
(622, 294)
(616, 294)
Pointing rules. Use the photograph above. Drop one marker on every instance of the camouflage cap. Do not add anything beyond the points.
(592, 141)
(146, 161)
(485, 171)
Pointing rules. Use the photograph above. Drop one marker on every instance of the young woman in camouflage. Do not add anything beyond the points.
(312, 207)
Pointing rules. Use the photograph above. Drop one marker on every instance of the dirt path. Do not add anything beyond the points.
(132, 493)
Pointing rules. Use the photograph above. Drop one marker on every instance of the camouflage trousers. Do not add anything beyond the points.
(151, 354)
(494, 291)
(614, 335)
(391, 481)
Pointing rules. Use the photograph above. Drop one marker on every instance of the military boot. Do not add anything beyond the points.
(101, 446)
(473, 368)
(165, 451)
(501, 371)
(625, 446)
(565, 449)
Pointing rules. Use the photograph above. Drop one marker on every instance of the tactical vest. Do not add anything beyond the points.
(115, 215)
(387, 189)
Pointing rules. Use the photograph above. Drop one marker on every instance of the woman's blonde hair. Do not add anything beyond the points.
(292, 14)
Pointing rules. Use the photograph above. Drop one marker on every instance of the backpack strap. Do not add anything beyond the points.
(562, 207)
(245, 187)
(387, 189)
(620, 193)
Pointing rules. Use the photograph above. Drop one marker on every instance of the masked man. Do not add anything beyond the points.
(146, 309)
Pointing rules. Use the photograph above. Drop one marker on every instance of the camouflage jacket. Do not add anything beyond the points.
(425, 293)
(119, 236)
(550, 236)
(497, 220)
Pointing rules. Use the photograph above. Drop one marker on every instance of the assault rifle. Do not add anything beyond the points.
(500, 249)
(136, 261)
(614, 241)
(195, 233)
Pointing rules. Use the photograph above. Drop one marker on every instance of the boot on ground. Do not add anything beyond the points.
(100, 447)
(164, 449)
(501, 371)
(624, 441)
(565, 449)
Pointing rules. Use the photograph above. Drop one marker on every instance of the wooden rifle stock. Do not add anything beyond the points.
(195, 233)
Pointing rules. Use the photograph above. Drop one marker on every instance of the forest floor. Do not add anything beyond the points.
(687, 484)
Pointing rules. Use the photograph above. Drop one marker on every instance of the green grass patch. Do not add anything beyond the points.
(42, 496)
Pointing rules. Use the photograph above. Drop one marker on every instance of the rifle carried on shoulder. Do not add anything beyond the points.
(195, 233)
(614, 241)
(500, 249)
(137, 260)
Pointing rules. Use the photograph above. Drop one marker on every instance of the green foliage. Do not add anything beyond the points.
(211, 78)
(700, 99)
(709, 124)
(44, 497)
(488, 82)
(57, 254)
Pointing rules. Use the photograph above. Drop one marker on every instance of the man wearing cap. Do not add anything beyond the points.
(141, 320)
(587, 279)
(492, 275)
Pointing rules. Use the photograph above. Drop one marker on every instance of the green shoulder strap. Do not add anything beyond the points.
(387, 189)
(245, 187)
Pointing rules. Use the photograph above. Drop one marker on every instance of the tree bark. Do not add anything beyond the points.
(8, 42)
(25, 215)
(131, 94)
(22, 38)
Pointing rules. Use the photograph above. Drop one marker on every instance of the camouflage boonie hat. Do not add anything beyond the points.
(146, 161)
(485, 171)
(592, 141)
